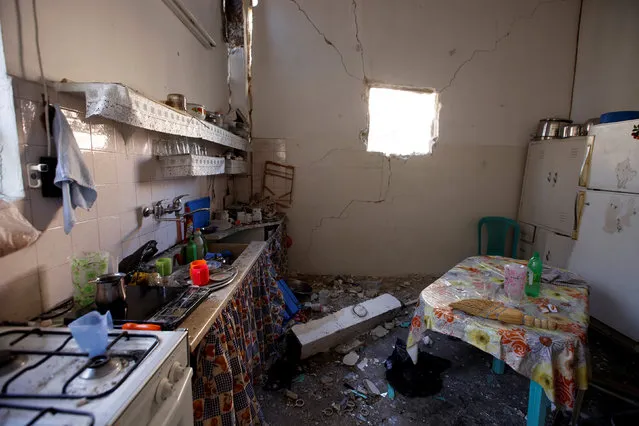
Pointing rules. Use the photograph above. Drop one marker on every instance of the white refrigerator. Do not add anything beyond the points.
(580, 202)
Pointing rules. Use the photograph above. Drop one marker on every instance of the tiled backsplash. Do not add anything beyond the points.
(124, 170)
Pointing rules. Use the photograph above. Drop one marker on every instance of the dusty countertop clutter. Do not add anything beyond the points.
(345, 213)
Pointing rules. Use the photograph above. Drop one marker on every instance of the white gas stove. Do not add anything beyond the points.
(46, 379)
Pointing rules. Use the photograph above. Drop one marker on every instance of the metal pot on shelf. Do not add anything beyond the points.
(548, 128)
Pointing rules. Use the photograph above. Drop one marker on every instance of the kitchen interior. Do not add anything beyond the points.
(201, 201)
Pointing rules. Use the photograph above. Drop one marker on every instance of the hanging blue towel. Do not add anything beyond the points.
(71, 174)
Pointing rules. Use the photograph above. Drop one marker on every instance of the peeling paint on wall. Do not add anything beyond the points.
(619, 214)
(625, 173)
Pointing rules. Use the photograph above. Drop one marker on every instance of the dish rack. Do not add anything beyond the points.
(236, 167)
(191, 165)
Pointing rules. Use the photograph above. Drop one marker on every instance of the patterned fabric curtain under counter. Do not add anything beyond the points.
(231, 359)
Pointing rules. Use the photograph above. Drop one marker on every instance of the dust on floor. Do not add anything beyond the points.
(471, 394)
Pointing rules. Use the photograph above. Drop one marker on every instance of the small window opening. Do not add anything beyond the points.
(401, 122)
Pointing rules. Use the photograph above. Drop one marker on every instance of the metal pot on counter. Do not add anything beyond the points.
(109, 288)
(548, 128)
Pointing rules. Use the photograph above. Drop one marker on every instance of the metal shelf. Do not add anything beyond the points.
(120, 103)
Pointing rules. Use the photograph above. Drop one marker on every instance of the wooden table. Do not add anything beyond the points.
(555, 361)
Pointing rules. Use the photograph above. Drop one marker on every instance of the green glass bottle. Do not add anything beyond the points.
(533, 276)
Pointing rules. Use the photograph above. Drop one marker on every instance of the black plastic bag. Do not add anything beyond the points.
(411, 380)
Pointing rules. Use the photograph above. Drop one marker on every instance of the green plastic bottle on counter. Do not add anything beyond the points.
(533, 276)
(191, 250)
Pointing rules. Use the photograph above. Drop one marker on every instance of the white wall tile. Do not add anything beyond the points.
(109, 200)
(146, 168)
(53, 248)
(19, 264)
(20, 299)
(87, 156)
(143, 194)
(103, 137)
(109, 230)
(127, 197)
(149, 225)
(105, 165)
(82, 215)
(85, 237)
(126, 168)
(46, 212)
(158, 190)
(146, 237)
(26, 115)
(130, 246)
(81, 129)
(130, 223)
(55, 285)
(142, 144)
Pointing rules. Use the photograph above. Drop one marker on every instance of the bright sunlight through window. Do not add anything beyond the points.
(402, 122)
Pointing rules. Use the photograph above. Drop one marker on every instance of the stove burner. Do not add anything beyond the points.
(100, 366)
(10, 362)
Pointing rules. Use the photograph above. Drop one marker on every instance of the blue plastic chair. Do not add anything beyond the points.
(497, 229)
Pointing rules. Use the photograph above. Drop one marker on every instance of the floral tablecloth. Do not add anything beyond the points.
(231, 359)
(557, 360)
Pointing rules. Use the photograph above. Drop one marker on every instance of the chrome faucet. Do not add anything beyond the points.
(174, 207)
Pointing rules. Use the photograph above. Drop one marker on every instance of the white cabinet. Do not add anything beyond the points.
(554, 249)
(550, 184)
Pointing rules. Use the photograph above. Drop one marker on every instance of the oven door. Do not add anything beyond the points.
(177, 409)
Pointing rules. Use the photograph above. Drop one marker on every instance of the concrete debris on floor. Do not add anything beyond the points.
(347, 385)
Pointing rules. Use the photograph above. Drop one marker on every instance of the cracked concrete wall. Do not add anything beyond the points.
(500, 65)
(607, 59)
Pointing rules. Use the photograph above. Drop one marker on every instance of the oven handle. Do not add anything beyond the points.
(170, 407)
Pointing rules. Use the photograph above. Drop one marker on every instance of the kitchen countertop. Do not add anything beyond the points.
(202, 318)
(218, 235)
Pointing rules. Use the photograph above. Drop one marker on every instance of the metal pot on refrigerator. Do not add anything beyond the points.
(570, 131)
(109, 288)
(548, 128)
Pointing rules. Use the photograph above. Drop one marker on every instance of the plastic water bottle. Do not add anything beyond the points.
(191, 250)
(199, 243)
(533, 277)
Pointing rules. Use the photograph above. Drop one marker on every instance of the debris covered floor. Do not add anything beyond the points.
(471, 394)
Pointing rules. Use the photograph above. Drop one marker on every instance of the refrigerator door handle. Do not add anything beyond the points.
(580, 202)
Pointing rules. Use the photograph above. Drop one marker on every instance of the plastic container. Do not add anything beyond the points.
(514, 281)
(164, 266)
(200, 274)
(199, 243)
(91, 332)
(85, 268)
(615, 116)
(533, 277)
(191, 251)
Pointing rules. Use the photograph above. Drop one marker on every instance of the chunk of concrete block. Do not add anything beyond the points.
(324, 333)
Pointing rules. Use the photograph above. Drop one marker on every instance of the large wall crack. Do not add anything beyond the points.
(326, 40)
(359, 47)
(498, 40)
(381, 199)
